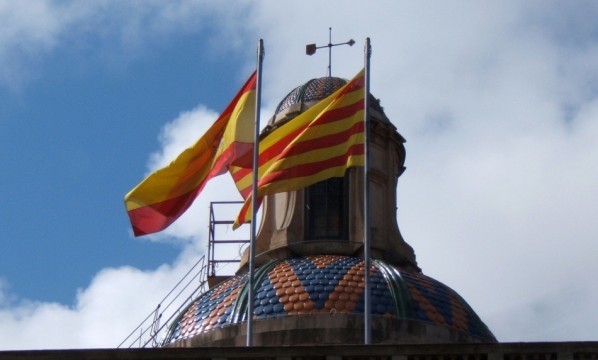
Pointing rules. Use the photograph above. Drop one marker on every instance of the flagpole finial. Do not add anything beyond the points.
(261, 52)
(310, 49)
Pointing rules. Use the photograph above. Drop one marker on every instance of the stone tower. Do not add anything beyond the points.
(309, 256)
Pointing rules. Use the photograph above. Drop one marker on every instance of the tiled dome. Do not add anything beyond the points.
(313, 90)
(324, 285)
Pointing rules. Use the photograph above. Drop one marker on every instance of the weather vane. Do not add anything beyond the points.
(311, 49)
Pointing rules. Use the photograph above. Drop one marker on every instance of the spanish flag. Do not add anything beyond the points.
(166, 194)
(321, 143)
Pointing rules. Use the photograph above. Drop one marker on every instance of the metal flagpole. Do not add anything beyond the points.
(366, 199)
(256, 152)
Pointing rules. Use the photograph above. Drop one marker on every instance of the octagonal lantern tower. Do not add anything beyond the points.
(309, 281)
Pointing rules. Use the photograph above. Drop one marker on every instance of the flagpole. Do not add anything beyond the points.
(366, 198)
(254, 203)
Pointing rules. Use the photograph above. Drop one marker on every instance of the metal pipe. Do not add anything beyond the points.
(366, 199)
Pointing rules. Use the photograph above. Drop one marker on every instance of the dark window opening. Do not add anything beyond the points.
(326, 210)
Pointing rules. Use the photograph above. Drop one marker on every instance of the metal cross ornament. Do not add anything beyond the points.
(311, 49)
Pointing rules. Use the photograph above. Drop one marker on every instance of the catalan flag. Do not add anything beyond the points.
(318, 144)
(166, 194)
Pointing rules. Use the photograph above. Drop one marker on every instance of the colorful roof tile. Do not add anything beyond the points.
(329, 284)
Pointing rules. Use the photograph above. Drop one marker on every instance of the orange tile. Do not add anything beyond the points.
(354, 297)
(329, 304)
(339, 305)
(289, 291)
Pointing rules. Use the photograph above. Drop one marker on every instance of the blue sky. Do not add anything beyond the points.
(75, 138)
(498, 102)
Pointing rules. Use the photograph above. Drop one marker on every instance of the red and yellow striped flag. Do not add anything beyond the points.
(166, 194)
(318, 144)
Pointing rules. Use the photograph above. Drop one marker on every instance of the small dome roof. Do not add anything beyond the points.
(304, 96)
(313, 90)
(329, 285)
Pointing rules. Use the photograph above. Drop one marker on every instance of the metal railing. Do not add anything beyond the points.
(151, 330)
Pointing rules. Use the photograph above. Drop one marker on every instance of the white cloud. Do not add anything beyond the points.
(104, 313)
(180, 134)
(497, 102)
(117, 30)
